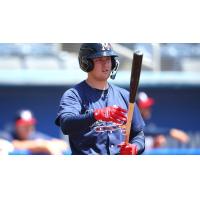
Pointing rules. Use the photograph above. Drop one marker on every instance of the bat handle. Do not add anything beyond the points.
(129, 122)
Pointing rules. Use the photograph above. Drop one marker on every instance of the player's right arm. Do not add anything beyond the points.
(71, 119)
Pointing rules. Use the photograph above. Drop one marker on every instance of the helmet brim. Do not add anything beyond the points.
(103, 54)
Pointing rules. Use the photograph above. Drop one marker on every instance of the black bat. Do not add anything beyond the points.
(134, 81)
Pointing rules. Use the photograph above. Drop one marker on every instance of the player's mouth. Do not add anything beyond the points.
(105, 71)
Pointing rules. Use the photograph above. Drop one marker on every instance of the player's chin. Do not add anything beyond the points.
(104, 76)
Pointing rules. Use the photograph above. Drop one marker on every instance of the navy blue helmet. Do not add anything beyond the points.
(89, 51)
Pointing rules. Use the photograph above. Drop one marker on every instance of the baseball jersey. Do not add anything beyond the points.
(86, 134)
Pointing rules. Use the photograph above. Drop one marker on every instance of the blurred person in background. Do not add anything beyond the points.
(5, 146)
(24, 136)
(155, 135)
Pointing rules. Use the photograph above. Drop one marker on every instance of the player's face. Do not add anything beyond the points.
(23, 131)
(146, 112)
(102, 68)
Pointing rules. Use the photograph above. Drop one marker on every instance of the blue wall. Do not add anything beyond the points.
(43, 101)
(175, 106)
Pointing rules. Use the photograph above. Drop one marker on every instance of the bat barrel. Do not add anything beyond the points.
(135, 74)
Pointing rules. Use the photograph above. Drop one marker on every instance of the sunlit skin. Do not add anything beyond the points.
(98, 77)
(146, 113)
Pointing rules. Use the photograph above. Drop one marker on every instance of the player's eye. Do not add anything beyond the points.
(98, 60)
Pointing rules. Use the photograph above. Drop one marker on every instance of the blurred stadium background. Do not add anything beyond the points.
(34, 76)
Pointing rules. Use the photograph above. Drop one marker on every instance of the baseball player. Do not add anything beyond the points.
(24, 136)
(155, 135)
(93, 112)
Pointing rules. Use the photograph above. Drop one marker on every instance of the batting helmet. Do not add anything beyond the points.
(89, 51)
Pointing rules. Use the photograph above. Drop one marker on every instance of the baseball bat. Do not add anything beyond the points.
(134, 81)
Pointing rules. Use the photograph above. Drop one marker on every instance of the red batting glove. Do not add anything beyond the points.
(111, 114)
(128, 149)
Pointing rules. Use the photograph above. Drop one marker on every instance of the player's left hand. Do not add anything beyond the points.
(127, 149)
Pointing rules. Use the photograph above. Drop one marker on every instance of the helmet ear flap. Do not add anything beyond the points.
(86, 64)
(115, 62)
(115, 66)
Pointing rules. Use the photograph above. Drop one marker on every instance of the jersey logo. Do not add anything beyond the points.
(105, 46)
(100, 126)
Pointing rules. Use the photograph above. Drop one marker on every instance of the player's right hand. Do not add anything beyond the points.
(114, 114)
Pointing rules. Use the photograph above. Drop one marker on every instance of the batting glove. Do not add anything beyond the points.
(128, 149)
(111, 114)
